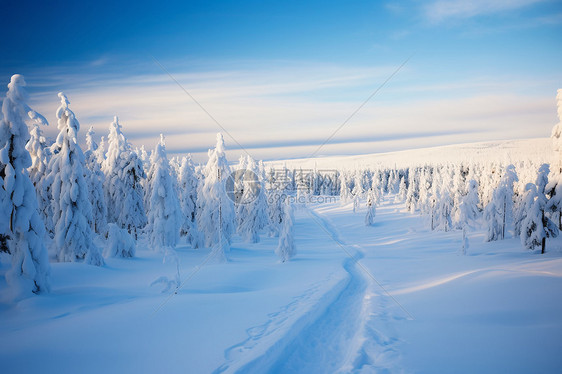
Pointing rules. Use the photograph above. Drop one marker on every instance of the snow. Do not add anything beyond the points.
(493, 310)
(540, 150)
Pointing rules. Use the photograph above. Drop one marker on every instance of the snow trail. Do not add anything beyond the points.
(335, 334)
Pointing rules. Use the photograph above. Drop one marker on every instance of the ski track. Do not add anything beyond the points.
(335, 332)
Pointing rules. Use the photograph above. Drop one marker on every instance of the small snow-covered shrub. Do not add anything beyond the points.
(119, 242)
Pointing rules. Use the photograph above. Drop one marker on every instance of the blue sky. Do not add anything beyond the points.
(282, 76)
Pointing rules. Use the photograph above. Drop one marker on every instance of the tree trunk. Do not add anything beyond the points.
(543, 245)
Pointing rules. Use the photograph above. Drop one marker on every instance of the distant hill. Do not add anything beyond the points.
(538, 150)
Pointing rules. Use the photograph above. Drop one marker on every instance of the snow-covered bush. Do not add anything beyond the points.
(119, 242)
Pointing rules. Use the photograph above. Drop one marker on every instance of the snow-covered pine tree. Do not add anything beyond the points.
(164, 212)
(536, 226)
(443, 220)
(286, 248)
(523, 207)
(187, 191)
(145, 158)
(424, 191)
(276, 193)
(94, 179)
(498, 214)
(412, 194)
(215, 211)
(254, 214)
(39, 152)
(556, 134)
(554, 205)
(554, 188)
(72, 210)
(38, 171)
(402, 191)
(344, 188)
(123, 190)
(100, 151)
(238, 190)
(21, 229)
(372, 201)
(469, 211)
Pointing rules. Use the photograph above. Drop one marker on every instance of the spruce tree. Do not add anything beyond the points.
(215, 210)
(536, 226)
(164, 212)
(286, 248)
(72, 210)
(123, 189)
(187, 191)
(21, 228)
(95, 178)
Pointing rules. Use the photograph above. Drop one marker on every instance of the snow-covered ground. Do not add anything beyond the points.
(393, 297)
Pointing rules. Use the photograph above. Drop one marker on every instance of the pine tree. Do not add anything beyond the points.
(123, 189)
(164, 212)
(344, 188)
(554, 188)
(286, 248)
(187, 191)
(215, 211)
(72, 210)
(38, 171)
(523, 207)
(402, 191)
(100, 151)
(372, 200)
(498, 214)
(556, 134)
(536, 226)
(444, 209)
(253, 204)
(276, 190)
(469, 211)
(21, 229)
(94, 179)
(412, 195)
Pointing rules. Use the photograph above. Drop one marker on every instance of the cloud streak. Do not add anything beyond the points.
(439, 11)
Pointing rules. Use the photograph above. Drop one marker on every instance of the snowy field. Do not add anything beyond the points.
(393, 297)
(504, 151)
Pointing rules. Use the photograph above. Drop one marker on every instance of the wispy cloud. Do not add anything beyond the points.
(442, 10)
